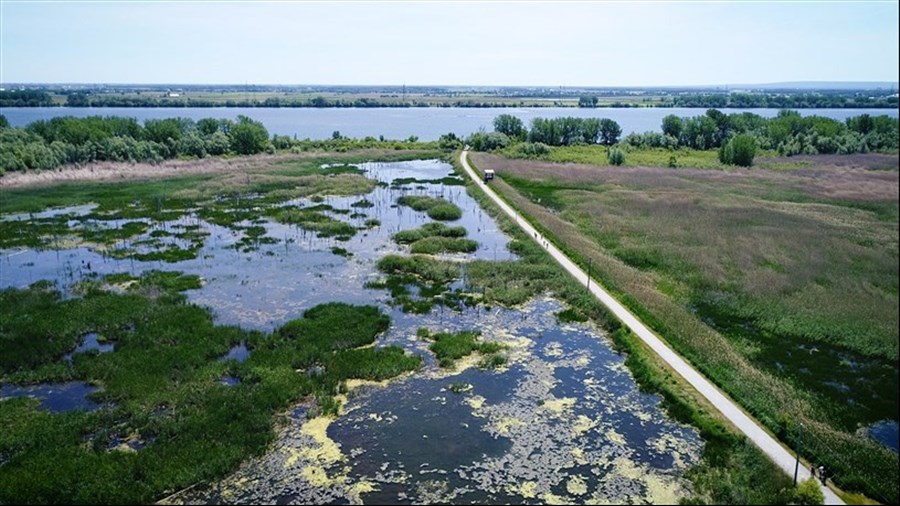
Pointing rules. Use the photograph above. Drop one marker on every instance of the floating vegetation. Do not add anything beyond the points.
(451, 180)
(417, 283)
(341, 252)
(449, 347)
(254, 237)
(315, 220)
(432, 229)
(364, 203)
(433, 238)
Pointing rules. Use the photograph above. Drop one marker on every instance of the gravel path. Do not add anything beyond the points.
(749, 427)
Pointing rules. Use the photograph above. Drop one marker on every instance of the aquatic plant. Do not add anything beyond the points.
(162, 384)
(436, 208)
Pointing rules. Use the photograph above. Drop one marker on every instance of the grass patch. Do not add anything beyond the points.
(341, 252)
(435, 245)
(434, 238)
(436, 208)
(316, 221)
(450, 347)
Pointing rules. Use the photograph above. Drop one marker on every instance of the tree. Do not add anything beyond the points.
(740, 150)
(609, 132)
(672, 125)
(587, 101)
(160, 130)
(590, 130)
(4, 123)
(723, 126)
(449, 142)
(511, 126)
(487, 141)
(248, 137)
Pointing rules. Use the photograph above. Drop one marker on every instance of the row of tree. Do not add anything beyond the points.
(781, 100)
(565, 131)
(771, 100)
(736, 136)
(47, 144)
(788, 133)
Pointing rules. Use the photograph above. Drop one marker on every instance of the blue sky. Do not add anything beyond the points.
(462, 43)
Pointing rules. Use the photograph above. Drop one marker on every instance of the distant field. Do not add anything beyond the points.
(796, 268)
(385, 99)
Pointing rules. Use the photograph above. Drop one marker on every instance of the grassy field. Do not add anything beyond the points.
(658, 157)
(445, 99)
(780, 285)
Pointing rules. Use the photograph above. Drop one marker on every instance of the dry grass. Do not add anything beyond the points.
(124, 171)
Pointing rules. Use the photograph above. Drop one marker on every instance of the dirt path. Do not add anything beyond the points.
(780, 455)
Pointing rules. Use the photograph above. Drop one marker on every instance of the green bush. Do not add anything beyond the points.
(616, 157)
(740, 150)
(808, 492)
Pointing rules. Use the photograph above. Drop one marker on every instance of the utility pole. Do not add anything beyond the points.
(589, 274)
(797, 463)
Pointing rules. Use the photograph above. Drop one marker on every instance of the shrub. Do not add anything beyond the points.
(808, 492)
(740, 150)
(531, 149)
(616, 157)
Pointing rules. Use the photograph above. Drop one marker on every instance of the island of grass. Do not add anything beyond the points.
(434, 238)
(436, 207)
(162, 387)
(314, 219)
(449, 347)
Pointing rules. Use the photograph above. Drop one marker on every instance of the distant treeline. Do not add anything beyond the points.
(48, 144)
(771, 100)
(788, 133)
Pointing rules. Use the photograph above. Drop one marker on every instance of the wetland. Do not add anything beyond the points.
(317, 331)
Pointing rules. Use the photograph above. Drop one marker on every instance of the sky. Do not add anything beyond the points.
(448, 43)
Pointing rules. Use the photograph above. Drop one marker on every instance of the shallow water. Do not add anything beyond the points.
(55, 397)
(90, 342)
(886, 432)
(563, 420)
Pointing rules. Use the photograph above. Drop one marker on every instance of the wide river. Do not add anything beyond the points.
(400, 123)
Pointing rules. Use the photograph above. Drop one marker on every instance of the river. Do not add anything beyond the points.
(426, 123)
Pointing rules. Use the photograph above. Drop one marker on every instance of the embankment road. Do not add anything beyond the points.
(729, 409)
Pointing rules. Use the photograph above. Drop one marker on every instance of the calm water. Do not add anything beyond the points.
(399, 123)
